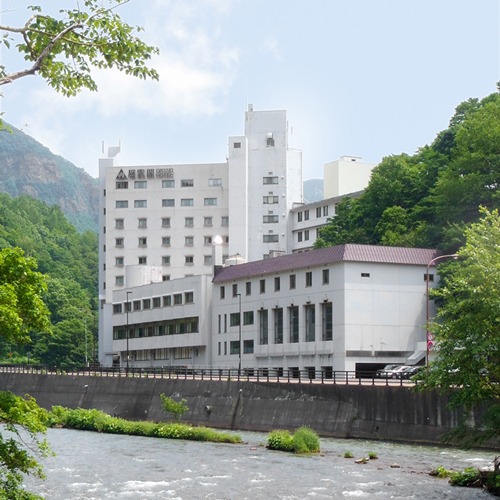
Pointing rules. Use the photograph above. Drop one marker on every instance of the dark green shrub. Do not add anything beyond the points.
(305, 440)
(279, 440)
(469, 477)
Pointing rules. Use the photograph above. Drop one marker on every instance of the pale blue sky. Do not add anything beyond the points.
(358, 77)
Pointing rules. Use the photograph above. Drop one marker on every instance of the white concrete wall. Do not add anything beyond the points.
(346, 175)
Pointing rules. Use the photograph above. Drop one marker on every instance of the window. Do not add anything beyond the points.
(299, 216)
(167, 183)
(248, 288)
(306, 234)
(117, 308)
(140, 203)
(207, 221)
(306, 214)
(177, 299)
(165, 260)
(207, 240)
(119, 224)
(143, 222)
(222, 292)
(121, 203)
(140, 184)
(293, 280)
(326, 321)
(264, 340)
(187, 183)
(165, 241)
(237, 145)
(210, 201)
(310, 323)
(309, 278)
(248, 318)
(122, 185)
(299, 236)
(271, 219)
(225, 221)
(270, 200)
(119, 280)
(188, 241)
(143, 260)
(188, 297)
(270, 141)
(143, 242)
(270, 180)
(165, 277)
(234, 347)
(119, 261)
(137, 305)
(146, 304)
(326, 276)
(189, 260)
(262, 284)
(207, 259)
(277, 284)
(235, 290)
(278, 326)
(367, 275)
(118, 242)
(430, 276)
(294, 324)
(325, 210)
(214, 182)
(318, 212)
(187, 202)
(156, 302)
(165, 222)
(234, 319)
(248, 346)
(271, 238)
(170, 202)
(189, 221)
(128, 306)
(167, 300)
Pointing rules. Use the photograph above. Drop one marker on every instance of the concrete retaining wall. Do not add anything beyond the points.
(391, 413)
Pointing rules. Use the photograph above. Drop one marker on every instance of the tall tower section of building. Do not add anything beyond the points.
(265, 179)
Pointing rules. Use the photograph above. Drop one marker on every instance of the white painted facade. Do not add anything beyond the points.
(346, 175)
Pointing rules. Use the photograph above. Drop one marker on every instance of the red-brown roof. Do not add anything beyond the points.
(340, 253)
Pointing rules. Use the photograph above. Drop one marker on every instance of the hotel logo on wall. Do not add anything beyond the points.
(146, 173)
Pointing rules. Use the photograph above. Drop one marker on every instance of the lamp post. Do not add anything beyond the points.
(239, 335)
(127, 305)
(85, 329)
(433, 261)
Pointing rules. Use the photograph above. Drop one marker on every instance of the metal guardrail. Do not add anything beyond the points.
(220, 374)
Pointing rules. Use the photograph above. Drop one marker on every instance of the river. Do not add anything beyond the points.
(92, 466)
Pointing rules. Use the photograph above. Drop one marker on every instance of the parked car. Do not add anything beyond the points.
(410, 371)
(387, 371)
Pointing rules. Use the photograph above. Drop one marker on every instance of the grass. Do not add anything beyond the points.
(98, 421)
(304, 440)
(348, 454)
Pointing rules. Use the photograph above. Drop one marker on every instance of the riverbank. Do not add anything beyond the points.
(353, 411)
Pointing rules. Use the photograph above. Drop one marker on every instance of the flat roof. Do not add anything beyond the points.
(340, 253)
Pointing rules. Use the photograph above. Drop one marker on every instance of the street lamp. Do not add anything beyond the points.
(433, 261)
(239, 335)
(127, 305)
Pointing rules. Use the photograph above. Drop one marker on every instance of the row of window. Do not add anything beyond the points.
(154, 303)
(305, 214)
(170, 327)
(165, 261)
(166, 241)
(276, 329)
(234, 347)
(142, 222)
(158, 354)
(169, 202)
(170, 183)
(292, 283)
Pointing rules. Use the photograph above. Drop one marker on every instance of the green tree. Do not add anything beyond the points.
(467, 331)
(177, 409)
(63, 50)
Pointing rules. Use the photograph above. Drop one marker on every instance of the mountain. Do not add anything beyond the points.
(313, 190)
(28, 167)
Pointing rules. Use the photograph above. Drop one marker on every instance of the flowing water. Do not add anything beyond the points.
(102, 466)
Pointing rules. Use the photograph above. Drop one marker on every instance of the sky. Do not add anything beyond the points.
(357, 77)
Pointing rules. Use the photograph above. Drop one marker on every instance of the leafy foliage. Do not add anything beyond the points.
(468, 333)
(304, 440)
(24, 421)
(177, 409)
